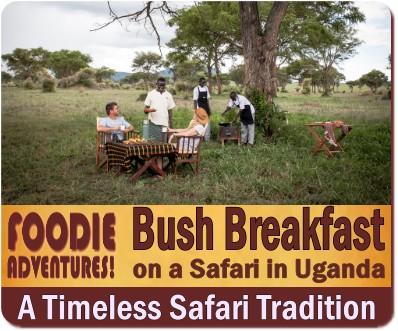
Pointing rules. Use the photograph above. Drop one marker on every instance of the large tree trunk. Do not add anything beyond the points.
(259, 47)
(210, 85)
(326, 82)
(208, 65)
(218, 73)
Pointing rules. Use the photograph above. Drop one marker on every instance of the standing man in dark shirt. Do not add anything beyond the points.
(201, 96)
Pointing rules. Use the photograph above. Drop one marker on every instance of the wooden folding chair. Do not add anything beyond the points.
(187, 152)
(101, 139)
(317, 130)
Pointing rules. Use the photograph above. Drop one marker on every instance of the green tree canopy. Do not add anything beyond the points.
(138, 76)
(65, 63)
(237, 74)
(190, 70)
(173, 60)
(104, 73)
(303, 68)
(5, 77)
(207, 32)
(283, 78)
(351, 84)
(27, 63)
(329, 36)
(373, 79)
(148, 63)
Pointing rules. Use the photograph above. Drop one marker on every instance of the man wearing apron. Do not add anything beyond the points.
(201, 96)
(246, 113)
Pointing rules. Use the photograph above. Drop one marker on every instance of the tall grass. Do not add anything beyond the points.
(48, 154)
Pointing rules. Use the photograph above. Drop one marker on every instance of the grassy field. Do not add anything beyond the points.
(48, 154)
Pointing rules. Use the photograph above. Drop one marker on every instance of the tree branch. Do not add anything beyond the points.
(145, 14)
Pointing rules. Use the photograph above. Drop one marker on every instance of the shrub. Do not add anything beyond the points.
(28, 84)
(141, 85)
(10, 84)
(67, 81)
(5, 77)
(115, 85)
(172, 91)
(269, 117)
(141, 97)
(125, 86)
(180, 87)
(297, 89)
(86, 77)
(48, 85)
(102, 85)
(230, 116)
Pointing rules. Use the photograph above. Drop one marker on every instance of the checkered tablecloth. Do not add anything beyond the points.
(120, 154)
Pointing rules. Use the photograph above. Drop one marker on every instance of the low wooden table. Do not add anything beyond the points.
(317, 130)
(121, 154)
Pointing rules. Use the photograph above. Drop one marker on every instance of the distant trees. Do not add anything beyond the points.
(351, 84)
(133, 78)
(237, 74)
(329, 37)
(147, 63)
(27, 63)
(65, 63)
(104, 73)
(283, 78)
(36, 67)
(190, 70)
(37, 63)
(207, 32)
(267, 34)
(5, 77)
(373, 79)
(173, 60)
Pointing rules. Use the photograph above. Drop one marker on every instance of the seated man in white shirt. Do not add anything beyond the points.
(114, 123)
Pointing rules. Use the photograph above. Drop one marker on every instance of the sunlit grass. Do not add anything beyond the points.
(48, 154)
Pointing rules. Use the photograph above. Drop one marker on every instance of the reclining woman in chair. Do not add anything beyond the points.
(196, 128)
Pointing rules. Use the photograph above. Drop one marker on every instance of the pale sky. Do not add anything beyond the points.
(66, 25)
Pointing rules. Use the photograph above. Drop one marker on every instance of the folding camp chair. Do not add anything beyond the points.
(325, 140)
